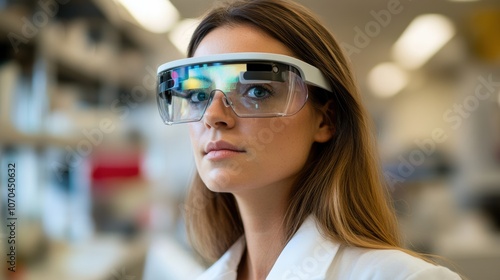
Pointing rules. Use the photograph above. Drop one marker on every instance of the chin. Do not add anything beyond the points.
(225, 184)
(219, 183)
(220, 179)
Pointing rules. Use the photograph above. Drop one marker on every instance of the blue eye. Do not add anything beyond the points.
(198, 96)
(258, 92)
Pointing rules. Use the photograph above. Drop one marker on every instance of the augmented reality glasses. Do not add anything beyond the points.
(254, 85)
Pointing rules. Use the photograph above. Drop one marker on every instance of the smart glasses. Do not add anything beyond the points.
(254, 85)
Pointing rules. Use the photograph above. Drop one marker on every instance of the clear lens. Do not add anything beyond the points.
(256, 89)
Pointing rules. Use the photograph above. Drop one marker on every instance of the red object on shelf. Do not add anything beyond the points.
(115, 165)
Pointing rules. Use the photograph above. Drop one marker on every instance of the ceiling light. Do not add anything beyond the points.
(157, 16)
(387, 79)
(181, 33)
(423, 38)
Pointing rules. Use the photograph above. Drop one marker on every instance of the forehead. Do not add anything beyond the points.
(239, 38)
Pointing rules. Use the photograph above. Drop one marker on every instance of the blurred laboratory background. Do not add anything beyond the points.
(100, 180)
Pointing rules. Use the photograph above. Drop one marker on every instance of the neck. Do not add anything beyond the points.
(262, 215)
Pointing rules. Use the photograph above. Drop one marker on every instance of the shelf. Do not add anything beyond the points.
(103, 61)
(11, 136)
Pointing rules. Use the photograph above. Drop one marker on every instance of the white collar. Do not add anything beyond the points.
(307, 255)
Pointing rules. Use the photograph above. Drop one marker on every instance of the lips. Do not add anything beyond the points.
(221, 150)
(222, 146)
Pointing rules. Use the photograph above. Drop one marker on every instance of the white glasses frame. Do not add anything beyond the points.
(310, 74)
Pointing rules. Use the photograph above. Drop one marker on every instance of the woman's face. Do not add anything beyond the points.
(235, 154)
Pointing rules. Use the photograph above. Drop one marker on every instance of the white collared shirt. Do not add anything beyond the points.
(308, 255)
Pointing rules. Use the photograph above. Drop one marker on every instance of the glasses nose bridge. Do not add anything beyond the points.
(227, 102)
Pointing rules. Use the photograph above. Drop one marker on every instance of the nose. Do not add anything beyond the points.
(219, 114)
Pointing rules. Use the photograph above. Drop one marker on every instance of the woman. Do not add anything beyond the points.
(288, 184)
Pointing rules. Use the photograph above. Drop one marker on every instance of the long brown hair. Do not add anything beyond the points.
(341, 183)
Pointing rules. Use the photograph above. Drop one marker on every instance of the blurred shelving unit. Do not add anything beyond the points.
(68, 75)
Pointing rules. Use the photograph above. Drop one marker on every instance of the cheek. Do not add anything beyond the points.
(287, 142)
(192, 129)
(194, 136)
(293, 144)
(195, 131)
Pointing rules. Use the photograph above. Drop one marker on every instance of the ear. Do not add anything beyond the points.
(324, 124)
